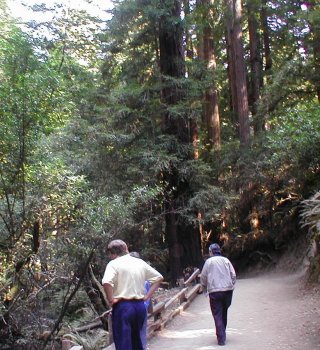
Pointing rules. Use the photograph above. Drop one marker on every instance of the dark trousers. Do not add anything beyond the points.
(127, 324)
(219, 303)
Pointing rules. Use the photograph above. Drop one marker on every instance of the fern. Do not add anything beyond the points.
(92, 341)
(311, 213)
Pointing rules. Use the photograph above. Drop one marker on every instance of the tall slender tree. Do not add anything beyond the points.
(266, 36)
(314, 21)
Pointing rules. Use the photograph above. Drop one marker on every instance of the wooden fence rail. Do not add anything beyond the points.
(161, 313)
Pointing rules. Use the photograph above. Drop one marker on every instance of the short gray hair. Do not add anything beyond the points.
(118, 247)
(215, 248)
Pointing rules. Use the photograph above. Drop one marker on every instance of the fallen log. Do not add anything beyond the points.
(87, 327)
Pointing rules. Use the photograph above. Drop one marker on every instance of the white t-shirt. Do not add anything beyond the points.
(127, 275)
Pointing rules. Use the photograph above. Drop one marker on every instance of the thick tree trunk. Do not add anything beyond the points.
(211, 106)
(175, 250)
(231, 67)
(213, 119)
(235, 39)
(172, 66)
(170, 42)
(255, 64)
(240, 70)
(191, 253)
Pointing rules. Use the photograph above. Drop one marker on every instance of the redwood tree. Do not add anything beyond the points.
(256, 79)
(180, 237)
(207, 55)
(237, 68)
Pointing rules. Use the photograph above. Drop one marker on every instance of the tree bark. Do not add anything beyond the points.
(189, 46)
(172, 66)
(256, 80)
(173, 242)
(241, 81)
(231, 65)
(315, 30)
(211, 106)
(234, 31)
(266, 36)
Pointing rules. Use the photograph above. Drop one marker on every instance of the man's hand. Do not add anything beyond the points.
(113, 301)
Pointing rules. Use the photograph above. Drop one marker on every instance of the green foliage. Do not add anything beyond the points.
(296, 138)
(31, 105)
(210, 201)
(85, 155)
(111, 216)
(290, 86)
(40, 197)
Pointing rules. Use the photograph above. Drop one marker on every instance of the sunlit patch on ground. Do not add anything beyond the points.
(187, 334)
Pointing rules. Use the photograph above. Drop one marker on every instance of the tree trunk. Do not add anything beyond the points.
(189, 46)
(96, 294)
(172, 66)
(213, 119)
(255, 64)
(231, 66)
(211, 107)
(266, 36)
(172, 240)
(240, 82)
(315, 30)
(191, 253)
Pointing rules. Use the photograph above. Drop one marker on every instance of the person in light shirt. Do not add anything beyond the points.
(218, 277)
(124, 284)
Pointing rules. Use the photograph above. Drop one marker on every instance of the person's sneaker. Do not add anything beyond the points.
(221, 343)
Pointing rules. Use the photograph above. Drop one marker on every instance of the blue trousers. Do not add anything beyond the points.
(219, 304)
(128, 317)
(144, 335)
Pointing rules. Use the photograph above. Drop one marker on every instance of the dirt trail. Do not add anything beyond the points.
(270, 312)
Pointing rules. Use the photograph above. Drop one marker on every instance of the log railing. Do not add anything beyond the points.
(161, 313)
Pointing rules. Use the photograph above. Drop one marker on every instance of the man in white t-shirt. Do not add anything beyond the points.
(219, 278)
(123, 282)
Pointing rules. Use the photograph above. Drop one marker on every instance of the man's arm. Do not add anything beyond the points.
(203, 276)
(152, 289)
(233, 274)
(109, 293)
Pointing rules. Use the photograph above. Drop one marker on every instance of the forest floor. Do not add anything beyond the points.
(270, 311)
